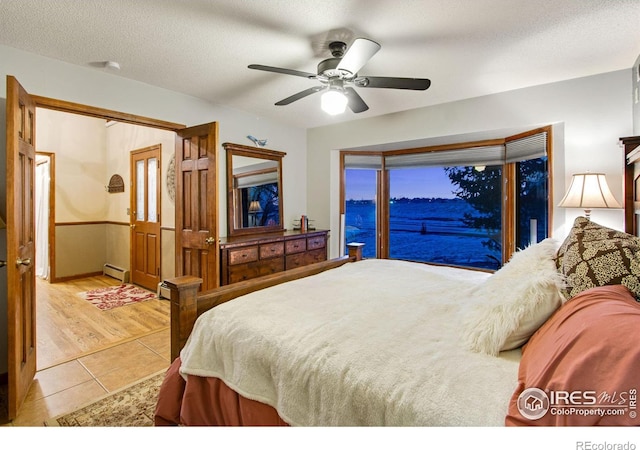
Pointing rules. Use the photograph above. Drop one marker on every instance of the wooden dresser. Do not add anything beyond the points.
(246, 257)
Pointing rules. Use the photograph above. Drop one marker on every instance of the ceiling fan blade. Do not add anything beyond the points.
(360, 52)
(416, 84)
(355, 102)
(300, 95)
(297, 73)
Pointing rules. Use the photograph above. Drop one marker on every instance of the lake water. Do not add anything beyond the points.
(428, 231)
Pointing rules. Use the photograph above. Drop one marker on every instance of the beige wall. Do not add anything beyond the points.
(88, 152)
(80, 249)
(79, 144)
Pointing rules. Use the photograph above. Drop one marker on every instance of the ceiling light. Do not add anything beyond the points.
(333, 102)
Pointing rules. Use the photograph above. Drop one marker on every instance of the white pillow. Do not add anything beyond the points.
(515, 301)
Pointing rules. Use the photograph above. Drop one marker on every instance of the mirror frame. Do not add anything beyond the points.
(251, 152)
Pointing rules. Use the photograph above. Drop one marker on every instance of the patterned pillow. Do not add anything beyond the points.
(594, 255)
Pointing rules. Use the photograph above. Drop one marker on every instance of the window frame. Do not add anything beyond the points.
(509, 186)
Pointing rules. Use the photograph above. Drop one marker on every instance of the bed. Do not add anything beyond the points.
(396, 343)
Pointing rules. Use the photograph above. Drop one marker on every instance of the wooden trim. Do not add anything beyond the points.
(382, 207)
(52, 213)
(631, 145)
(90, 222)
(256, 152)
(363, 152)
(508, 211)
(75, 277)
(102, 113)
(252, 152)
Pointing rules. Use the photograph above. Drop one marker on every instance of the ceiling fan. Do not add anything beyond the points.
(338, 74)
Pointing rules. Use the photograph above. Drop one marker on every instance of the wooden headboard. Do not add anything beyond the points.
(631, 184)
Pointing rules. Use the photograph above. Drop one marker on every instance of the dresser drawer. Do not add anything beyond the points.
(252, 270)
(316, 242)
(243, 255)
(296, 245)
(271, 250)
(303, 259)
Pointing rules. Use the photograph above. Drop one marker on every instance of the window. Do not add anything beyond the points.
(428, 222)
(362, 217)
(360, 209)
(532, 218)
(466, 205)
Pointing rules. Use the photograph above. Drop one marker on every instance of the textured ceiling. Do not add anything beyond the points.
(467, 48)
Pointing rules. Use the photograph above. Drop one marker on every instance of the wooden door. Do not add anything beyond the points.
(196, 204)
(21, 305)
(145, 217)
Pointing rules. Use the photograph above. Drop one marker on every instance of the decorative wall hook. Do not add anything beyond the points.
(258, 142)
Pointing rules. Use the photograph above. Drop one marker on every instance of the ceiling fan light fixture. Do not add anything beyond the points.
(333, 102)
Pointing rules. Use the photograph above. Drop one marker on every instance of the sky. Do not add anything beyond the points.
(428, 182)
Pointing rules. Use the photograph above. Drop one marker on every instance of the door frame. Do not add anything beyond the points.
(51, 238)
(77, 108)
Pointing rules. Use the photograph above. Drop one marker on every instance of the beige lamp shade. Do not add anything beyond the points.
(254, 207)
(587, 191)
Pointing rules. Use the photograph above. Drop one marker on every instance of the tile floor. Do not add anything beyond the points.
(71, 385)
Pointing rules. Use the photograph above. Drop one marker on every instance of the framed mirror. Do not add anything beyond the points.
(254, 189)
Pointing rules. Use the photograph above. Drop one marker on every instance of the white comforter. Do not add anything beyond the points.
(371, 343)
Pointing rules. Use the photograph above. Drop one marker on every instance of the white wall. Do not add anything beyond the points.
(50, 78)
(589, 116)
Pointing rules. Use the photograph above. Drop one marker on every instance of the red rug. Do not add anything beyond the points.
(114, 296)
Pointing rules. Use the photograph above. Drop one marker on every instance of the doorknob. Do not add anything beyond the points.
(210, 240)
(133, 225)
(23, 262)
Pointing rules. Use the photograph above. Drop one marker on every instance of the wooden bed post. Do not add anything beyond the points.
(184, 310)
(355, 250)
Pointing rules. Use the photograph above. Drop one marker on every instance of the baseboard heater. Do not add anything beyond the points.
(164, 291)
(116, 272)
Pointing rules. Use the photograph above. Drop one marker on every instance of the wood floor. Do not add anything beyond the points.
(84, 353)
(69, 327)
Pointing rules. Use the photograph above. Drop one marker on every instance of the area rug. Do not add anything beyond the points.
(113, 296)
(133, 406)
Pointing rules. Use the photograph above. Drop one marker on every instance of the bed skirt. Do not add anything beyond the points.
(209, 402)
